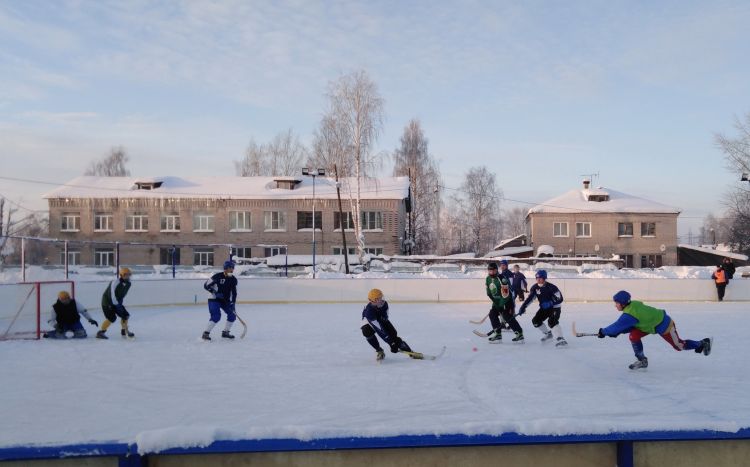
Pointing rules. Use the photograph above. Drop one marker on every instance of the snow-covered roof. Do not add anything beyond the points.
(506, 241)
(582, 201)
(510, 251)
(228, 188)
(717, 252)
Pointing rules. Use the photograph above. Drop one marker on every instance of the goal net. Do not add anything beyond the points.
(25, 307)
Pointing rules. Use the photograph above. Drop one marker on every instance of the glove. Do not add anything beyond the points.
(395, 345)
(545, 305)
(601, 335)
(93, 323)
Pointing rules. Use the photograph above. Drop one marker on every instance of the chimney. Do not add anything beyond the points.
(586, 184)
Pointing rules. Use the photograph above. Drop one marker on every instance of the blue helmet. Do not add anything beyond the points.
(504, 261)
(541, 273)
(229, 264)
(622, 297)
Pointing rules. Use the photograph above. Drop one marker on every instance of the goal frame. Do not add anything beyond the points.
(6, 334)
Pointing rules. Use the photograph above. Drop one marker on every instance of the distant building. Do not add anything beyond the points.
(516, 247)
(258, 216)
(604, 222)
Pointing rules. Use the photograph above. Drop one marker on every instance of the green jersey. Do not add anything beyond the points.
(115, 295)
(493, 284)
(648, 317)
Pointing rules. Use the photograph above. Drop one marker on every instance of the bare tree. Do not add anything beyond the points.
(480, 198)
(12, 225)
(514, 221)
(737, 201)
(350, 128)
(282, 156)
(330, 147)
(253, 164)
(413, 159)
(112, 165)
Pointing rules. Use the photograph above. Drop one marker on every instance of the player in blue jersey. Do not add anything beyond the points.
(550, 300)
(223, 289)
(518, 284)
(375, 323)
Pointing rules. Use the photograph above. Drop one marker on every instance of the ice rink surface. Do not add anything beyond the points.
(305, 371)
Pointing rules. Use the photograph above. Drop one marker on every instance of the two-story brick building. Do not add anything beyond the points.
(258, 216)
(604, 222)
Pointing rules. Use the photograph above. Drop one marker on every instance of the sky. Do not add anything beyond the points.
(539, 92)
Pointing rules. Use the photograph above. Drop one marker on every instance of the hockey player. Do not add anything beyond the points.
(518, 283)
(112, 304)
(66, 316)
(375, 323)
(223, 289)
(550, 300)
(641, 320)
(504, 271)
(498, 290)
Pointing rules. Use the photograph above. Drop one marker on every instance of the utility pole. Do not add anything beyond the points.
(341, 219)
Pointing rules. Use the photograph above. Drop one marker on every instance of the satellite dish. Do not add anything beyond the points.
(663, 248)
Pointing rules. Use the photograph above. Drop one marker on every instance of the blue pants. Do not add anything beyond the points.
(76, 328)
(215, 307)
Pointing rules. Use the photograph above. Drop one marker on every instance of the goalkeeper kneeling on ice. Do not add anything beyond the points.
(375, 321)
(66, 316)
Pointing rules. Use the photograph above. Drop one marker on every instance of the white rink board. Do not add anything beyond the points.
(279, 290)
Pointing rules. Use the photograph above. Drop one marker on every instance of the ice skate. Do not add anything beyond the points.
(226, 335)
(547, 336)
(126, 333)
(496, 335)
(101, 335)
(206, 336)
(518, 338)
(638, 364)
(705, 347)
(379, 355)
(561, 342)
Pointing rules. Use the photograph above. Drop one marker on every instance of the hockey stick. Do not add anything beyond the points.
(583, 334)
(482, 334)
(421, 356)
(244, 326)
(481, 320)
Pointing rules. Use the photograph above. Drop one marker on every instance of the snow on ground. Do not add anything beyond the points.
(306, 372)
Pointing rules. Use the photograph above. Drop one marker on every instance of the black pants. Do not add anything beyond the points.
(552, 315)
(519, 294)
(720, 288)
(508, 315)
(111, 313)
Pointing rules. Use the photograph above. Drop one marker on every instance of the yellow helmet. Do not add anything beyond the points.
(124, 271)
(63, 295)
(374, 295)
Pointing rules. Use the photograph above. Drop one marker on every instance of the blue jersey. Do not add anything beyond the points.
(549, 296)
(378, 319)
(506, 274)
(222, 287)
(518, 279)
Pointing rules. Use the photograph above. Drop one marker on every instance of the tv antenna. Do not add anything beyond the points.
(590, 177)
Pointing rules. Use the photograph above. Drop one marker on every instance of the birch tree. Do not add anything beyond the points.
(480, 198)
(413, 159)
(736, 151)
(283, 155)
(112, 165)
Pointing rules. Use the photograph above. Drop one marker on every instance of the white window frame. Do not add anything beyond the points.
(274, 250)
(103, 222)
(339, 250)
(235, 250)
(136, 222)
(348, 219)
(203, 222)
(74, 257)
(70, 222)
(274, 221)
(557, 226)
(373, 250)
(104, 257)
(621, 235)
(318, 225)
(583, 225)
(169, 223)
(234, 221)
(372, 217)
(643, 224)
(203, 257)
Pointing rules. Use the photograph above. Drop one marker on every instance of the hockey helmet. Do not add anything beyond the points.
(504, 261)
(228, 264)
(622, 297)
(492, 266)
(541, 274)
(63, 296)
(124, 272)
(374, 295)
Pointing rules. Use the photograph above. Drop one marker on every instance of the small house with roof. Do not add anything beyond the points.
(604, 222)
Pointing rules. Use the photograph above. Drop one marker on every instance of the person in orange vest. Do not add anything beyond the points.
(720, 277)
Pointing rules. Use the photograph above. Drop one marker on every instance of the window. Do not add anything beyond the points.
(274, 220)
(239, 221)
(625, 229)
(203, 223)
(275, 250)
(348, 221)
(337, 250)
(627, 261)
(372, 220)
(74, 257)
(305, 220)
(374, 251)
(560, 229)
(103, 222)
(136, 222)
(583, 229)
(70, 222)
(651, 261)
(203, 256)
(241, 251)
(170, 222)
(165, 256)
(648, 229)
(104, 257)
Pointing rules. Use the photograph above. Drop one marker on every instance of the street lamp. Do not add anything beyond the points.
(313, 173)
